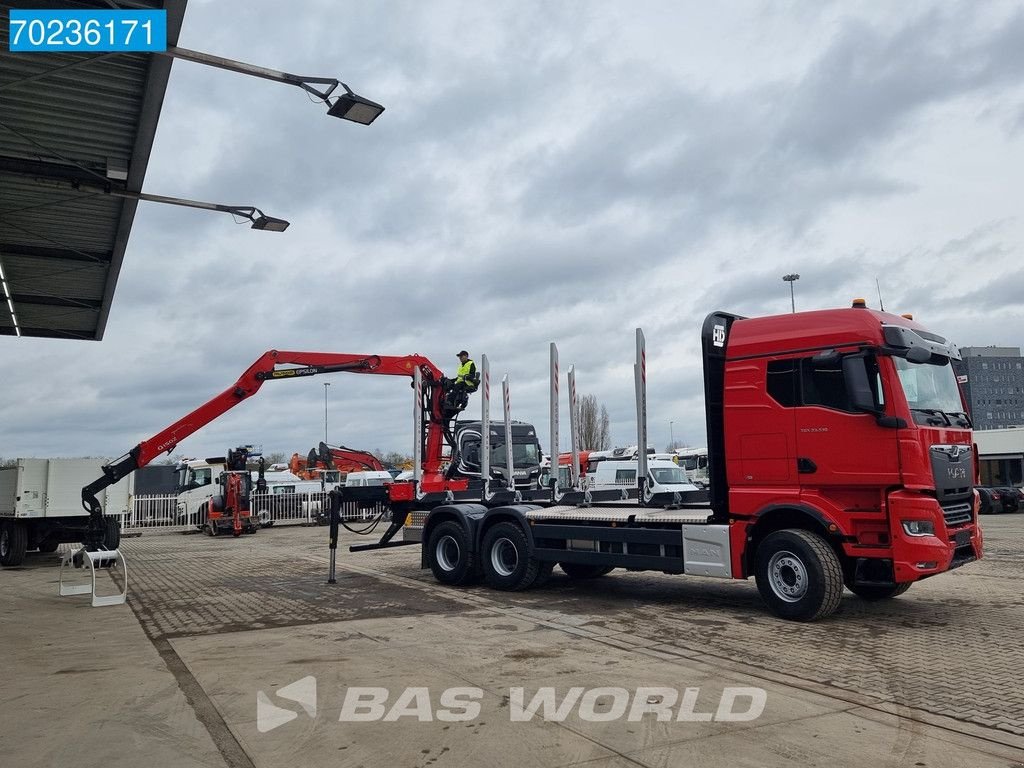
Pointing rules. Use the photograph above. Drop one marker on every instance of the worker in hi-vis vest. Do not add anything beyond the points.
(467, 377)
(467, 380)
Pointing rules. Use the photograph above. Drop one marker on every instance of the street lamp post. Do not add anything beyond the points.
(87, 180)
(671, 435)
(791, 278)
(259, 219)
(326, 385)
(349, 106)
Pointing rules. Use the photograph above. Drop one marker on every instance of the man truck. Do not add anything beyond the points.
(839, 453)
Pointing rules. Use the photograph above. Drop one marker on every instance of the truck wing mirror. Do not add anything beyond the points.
(858, 387)
(855, 374)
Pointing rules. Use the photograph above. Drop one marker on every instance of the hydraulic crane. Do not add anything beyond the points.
(435, 400)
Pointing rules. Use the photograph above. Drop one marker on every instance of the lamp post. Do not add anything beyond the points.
(326, 385)
(348, 106)
(671, 435)
(259, 219)
(791, 278)
(85, 179)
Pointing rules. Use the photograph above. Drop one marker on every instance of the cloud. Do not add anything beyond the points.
(542, 172)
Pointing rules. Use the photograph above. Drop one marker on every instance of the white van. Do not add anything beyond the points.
(663, 476)
(368, 478)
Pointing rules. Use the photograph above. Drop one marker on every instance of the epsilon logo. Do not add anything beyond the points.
(270, 716)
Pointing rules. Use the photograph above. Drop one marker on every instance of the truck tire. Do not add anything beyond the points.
(111, 533)
(543, 574)
(584, 570)
(507, 562)
(873, 593)
(798, 575)
(450, 555)
(13, 542)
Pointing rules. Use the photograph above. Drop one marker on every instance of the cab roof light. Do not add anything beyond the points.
(859, 304)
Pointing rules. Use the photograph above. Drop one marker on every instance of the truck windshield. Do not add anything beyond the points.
(201, 477)
(669, 476)
(523, 455)
(929, 388)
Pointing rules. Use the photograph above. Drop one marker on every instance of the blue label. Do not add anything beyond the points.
(87, 31)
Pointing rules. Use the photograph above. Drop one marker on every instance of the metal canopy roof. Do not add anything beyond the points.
(73, 127)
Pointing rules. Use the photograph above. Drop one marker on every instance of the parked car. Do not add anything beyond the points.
(1010, 498)
(991, 501)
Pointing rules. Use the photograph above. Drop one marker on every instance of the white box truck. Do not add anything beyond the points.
(41, 505)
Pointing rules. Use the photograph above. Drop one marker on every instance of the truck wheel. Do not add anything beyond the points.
(13, 542)
(508, 564)
(798, 575)
(585, 571)
(543, 574)
(48, 546)
(111, 533)
(873, 592)
(450, 554)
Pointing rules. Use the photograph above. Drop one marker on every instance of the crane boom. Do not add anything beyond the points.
(266, 368)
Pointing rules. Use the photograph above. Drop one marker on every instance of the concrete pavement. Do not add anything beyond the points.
(217, 626)
(83, 685)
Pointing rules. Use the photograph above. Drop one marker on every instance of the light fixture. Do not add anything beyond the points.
(791, 278)
(349, 106)
(268, 223)
(352, 106)
(258, 218)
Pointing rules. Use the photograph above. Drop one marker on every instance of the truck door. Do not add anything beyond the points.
(759, 429)
(837, 445)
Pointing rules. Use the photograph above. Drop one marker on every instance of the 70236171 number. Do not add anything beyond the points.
(94, 31)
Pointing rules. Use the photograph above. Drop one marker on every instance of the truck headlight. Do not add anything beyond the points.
(918, 527)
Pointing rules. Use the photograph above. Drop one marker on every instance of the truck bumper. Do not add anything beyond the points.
(916, 557)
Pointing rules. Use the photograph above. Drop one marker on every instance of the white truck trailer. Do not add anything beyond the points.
(41, 506)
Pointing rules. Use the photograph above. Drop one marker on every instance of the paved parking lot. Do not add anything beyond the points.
(931, 678)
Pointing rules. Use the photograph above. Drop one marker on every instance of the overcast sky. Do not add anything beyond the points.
(545, 171)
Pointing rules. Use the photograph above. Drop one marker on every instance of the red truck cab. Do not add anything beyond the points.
(847, 423)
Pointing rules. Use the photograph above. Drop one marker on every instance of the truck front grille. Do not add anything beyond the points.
(957, 514)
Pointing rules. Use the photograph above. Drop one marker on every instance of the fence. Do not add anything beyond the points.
(164, 513)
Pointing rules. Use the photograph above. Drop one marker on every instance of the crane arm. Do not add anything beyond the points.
(265, 368)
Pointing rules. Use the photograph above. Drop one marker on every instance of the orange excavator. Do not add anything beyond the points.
(339, 458)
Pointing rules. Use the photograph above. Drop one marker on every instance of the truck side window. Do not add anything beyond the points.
(782, 383)
(824, 386)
